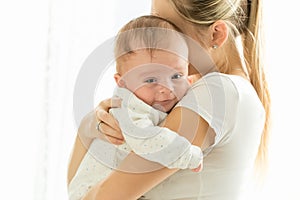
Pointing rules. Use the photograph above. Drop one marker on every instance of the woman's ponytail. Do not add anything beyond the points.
(253, 50)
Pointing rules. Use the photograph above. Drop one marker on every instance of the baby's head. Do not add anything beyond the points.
(151, 61)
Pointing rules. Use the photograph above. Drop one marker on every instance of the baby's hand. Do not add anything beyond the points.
(198, 169)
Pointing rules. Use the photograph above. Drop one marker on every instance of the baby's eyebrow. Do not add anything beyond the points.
(179, 68)
(150, 73)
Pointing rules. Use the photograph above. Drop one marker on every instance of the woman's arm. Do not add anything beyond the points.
(76, 157)
(130, 186)
(126, 186)
(87, 132)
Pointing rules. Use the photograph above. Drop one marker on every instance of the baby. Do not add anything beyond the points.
(152, 76)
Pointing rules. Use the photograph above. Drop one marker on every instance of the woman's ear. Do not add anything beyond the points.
(120, 82)
(219, 34)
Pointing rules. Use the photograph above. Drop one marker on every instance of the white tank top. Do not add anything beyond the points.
(233, 110)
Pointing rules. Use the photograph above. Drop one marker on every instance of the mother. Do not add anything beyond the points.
(229, 117)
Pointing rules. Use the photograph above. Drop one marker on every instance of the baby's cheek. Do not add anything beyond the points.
(145, 94)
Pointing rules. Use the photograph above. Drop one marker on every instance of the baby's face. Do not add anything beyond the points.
(160, 80)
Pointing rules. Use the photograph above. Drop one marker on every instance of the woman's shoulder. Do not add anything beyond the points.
(227, 79)
(229, 84)
(213, 89)
(216, 95)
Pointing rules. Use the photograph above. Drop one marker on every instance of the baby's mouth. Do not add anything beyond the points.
(164, 105)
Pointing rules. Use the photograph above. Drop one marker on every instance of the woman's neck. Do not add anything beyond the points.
(234, 64)
(239, 71)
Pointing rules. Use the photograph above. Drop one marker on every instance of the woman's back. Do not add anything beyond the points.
(230, 150)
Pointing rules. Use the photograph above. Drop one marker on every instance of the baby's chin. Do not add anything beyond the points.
(162, 108)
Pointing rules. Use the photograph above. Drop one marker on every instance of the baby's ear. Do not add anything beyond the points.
(120, 82)
(193, 78)
(190, 79)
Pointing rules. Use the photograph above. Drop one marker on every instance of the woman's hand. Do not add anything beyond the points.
(108, 125)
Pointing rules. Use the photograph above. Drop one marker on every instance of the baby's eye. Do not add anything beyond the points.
(176, 76)
(150, 80)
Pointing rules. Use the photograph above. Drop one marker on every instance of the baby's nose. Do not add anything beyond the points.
(165, 85)
(164, 90)
(165, 93)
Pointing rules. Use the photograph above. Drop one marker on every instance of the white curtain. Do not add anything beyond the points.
(43, 44)
(76, 28)
(23, 49)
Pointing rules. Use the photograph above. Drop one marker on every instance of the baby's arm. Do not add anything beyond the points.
(156, 143)
(167, 148)
(133, 185)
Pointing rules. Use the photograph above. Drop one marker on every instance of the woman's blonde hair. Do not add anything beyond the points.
(244, 18)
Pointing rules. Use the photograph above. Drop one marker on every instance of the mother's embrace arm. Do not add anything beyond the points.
(131, 186)
(87, 132)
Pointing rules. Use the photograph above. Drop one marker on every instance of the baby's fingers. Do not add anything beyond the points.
(198, 169)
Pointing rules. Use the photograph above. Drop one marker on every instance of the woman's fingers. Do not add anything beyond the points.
(103, 115)
(109, 125)
(106, 104)
(109, 131)
(114, 136)
(113, 140)
(107, 119)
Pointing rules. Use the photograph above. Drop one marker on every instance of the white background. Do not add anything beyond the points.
(42, 47)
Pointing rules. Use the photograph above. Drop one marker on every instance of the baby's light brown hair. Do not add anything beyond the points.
(144, 33)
